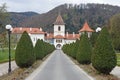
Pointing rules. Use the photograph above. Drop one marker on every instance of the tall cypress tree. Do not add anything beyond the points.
(24, 55)
(84, 50)
(104, 57)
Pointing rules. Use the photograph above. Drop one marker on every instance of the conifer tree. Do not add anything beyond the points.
(103, 57)
(93, 38)
(75, 48)
(84, 51)
(38, 49)
(42, 48)
(24, 55)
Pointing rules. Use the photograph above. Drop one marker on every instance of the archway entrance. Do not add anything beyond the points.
(58, 46)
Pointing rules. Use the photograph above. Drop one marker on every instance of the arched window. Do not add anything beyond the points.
(59, 28)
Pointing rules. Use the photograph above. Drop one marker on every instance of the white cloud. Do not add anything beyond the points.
(45, 5)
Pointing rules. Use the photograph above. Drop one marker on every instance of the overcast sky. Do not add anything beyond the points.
(42, 6)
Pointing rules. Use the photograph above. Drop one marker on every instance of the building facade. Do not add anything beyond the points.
(58, 38)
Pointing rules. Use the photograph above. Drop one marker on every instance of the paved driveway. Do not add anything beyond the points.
(58, 67)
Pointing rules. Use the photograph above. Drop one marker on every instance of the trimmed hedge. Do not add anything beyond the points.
(24, 55)
(104, 57)
(38, 49)
(42, 48)
(80, 50)
(84, 51)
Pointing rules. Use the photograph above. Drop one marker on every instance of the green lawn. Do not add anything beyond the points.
(118, 59)
(4, 55)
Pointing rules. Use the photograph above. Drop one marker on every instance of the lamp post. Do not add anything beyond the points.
(98, 29)
(9, 29)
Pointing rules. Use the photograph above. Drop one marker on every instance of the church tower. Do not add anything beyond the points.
(59, 32)
(59, 26)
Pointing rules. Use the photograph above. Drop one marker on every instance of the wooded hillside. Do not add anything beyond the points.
(74, 16)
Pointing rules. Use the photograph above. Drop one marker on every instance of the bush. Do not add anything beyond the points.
(42, 48)
(48, 48)
(84, 51)
(38, 49)
(24, 55)
(71, 49)
(93, 38)
(75, 48)
(103, 57)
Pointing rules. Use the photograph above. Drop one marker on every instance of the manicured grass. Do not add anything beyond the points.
(4, 55)
(118, 59)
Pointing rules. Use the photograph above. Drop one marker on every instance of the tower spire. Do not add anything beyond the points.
(59, 20)
(86, 28)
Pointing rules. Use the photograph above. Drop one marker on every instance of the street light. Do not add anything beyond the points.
(98, 29)
(9, 29)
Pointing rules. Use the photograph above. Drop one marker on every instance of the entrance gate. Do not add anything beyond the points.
(58, 46)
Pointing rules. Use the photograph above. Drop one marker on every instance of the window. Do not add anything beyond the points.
(34, 39)
(59, 28)
(59, 41)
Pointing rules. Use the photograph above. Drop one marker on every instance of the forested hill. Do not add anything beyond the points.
(74, 16)
(17, 17)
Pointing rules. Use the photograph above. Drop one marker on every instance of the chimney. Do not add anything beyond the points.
(30, 29)
(29, 34)
(67, 34)
(73, 34)
(47, 34)
(40, 29)
(20, 28)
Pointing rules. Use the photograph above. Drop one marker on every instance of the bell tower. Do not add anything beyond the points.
(59, 26)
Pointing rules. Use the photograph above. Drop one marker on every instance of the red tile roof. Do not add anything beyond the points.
(72, 36)
(86, 28)
(49, 36)
(59, 21)
(29, 30)
(68, 37)
(59, 37)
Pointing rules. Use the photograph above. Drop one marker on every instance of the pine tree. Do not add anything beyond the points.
(84, 51)
(24, 55)
(103, 57)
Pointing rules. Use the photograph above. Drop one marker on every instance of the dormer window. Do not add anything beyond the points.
(59, 28)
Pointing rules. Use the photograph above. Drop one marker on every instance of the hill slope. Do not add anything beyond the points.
(17, 17)
(74, 16)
